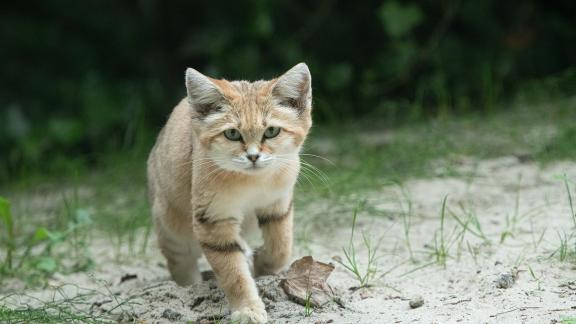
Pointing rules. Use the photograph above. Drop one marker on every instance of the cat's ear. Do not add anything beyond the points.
(294, 88)
(203, 95)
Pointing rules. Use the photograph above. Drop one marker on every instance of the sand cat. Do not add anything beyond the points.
(228, 157)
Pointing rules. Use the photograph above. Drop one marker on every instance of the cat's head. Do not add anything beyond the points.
(251, 127)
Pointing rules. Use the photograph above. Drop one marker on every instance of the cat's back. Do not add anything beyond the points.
(169, 163)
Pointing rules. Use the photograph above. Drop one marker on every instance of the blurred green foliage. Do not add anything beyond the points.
(84, 78)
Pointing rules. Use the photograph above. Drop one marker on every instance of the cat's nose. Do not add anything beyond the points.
(253, 152)
(253, 157)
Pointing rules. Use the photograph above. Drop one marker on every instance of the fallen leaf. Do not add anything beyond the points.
(306, 280)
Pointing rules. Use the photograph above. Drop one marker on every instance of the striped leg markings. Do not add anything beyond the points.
(229, 247)
(268, 218)
(224, 250)
(277, 235)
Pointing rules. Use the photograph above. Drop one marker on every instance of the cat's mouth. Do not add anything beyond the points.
(251, 167)
(255, 167)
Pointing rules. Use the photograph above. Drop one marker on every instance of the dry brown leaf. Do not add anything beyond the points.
(305, 279)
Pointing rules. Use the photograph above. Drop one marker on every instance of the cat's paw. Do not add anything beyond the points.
(263, 267)
(253, 314)
(263, 271)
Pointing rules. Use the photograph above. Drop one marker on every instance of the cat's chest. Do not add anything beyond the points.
(239, 201)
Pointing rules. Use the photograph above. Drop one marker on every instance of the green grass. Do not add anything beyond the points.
(407, 215)
(440, 248)
(9, 237)
(570, 199)
(513, 219)
(42, 250)
(444, 241)
(108, 203)
(563, 249)
(470, 223)
(536, 278)
(568, 320)
(61, 308)
(562, 148)
(352, 261)
(566, 250)
(58, 243)
(48, 314)
(308, 307)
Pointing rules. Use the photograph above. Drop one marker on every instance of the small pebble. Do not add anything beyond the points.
(416, 302)
(505, 280)
(171, 315)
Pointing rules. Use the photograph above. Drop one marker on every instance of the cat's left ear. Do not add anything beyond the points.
(294, 88)
(203, 94)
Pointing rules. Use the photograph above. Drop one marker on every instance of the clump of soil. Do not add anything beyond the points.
(205, 302)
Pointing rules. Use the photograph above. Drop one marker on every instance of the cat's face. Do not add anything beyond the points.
(251, 127)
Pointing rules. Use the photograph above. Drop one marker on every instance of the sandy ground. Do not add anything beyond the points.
(533, 200)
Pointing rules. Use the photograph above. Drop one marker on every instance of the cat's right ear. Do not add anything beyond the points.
(203, 95)
(294, 88)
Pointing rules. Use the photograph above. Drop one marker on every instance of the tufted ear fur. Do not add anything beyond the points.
(294, 88)
(203, 95)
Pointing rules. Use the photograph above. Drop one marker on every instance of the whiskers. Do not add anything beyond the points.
(287, 165)
(308, 171)
(215, 171)
(318, 156)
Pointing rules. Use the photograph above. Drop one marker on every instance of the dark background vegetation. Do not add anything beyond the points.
(83, 79)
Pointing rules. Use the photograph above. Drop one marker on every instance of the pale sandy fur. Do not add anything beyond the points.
(200, 205)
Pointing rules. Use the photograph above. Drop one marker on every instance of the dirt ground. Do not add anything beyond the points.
(484, 280)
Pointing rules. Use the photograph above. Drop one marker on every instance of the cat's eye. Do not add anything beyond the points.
(271, 132)
(233, 134)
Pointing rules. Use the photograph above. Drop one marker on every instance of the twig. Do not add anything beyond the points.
(515, 309)
(156, 285)
(459, 301)
(563, 309)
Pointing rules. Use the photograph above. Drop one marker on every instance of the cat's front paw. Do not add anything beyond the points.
(252, 314)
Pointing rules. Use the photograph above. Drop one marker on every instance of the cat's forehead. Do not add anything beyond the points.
(244, 93)
(251, 105)
(249, 102)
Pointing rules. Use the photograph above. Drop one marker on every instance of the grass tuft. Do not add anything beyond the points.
(61, 308)
(352, 263)
(440, 249)
(570, 200)
(470, 223)
(308, 307)
(9, 241)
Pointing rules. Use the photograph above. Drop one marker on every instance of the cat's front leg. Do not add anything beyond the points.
(276, 225)
(225, 251)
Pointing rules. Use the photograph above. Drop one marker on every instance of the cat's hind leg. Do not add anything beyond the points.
(177, 244)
